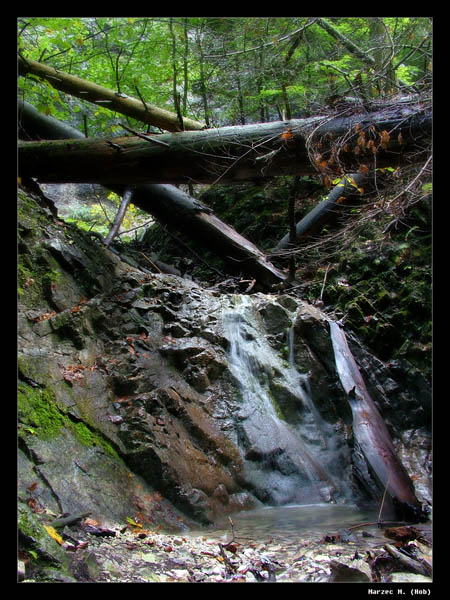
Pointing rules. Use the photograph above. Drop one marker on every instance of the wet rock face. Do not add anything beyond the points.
(129, 405)
(121, 358)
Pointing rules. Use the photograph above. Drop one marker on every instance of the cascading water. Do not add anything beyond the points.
(286, 459)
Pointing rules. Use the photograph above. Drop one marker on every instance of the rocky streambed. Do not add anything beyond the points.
(133, 554)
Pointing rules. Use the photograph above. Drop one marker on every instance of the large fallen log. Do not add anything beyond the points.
(371, 433)
(172, 207)
(97, 94)
(229, 154)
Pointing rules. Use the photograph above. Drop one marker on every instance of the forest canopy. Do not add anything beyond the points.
(225, 70)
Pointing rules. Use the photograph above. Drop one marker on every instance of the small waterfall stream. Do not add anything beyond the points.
(287, 459)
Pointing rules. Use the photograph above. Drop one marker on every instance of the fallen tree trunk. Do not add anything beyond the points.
(172, 207)
(229, 154)
(34, 125)
(97, 94)
(321, 214)
(177, 209)
(371, 433)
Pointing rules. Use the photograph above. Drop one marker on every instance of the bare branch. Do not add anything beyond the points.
(119, 217)
(267, 44)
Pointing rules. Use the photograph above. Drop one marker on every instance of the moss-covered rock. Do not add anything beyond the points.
(385, 294)
(47, 561)
(37, 412)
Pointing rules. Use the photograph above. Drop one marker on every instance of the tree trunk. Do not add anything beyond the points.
(175, 208)
(172, 207)
(34, 125)
(371, 433)
(324, 211)
(230, 154)
(345, 41)
(86, 90)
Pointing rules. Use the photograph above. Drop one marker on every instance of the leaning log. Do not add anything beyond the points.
(114, 101)
(230, 154)
(316, 218)
(371, 433)
(34, 125)
(172, 207)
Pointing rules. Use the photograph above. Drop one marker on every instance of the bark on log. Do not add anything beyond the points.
(411, 564)
(86, 90)
(321, 214)
(173, 207)
(228, 154)
(371, 433)
(34, 125)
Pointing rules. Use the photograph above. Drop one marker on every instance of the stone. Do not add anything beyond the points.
(357, 571)
(275, 318)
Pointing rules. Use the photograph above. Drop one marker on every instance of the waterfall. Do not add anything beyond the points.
(285, 460)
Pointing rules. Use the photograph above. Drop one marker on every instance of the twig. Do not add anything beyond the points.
(421, 567)
(151, 262)
(324, 280)
(151, 221)
(143, 136)
(379, 523)
(384, 496)
(230, 567)
(272, 43)
(119, 217)
(413, 181)
(232, 528)
(141, 98)
(69, 520)
(115, 146)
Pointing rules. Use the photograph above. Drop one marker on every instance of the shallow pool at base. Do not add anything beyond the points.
(294, 522)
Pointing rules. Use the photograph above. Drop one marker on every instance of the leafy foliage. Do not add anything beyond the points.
(226, 69)
(98, 217)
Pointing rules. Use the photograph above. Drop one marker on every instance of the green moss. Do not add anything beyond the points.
(383, 287)
(90, 438)
(36, 409)
(38, 415)
(277, 408)
(28, 525)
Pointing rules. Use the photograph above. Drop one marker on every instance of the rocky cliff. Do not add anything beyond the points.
(131, 405)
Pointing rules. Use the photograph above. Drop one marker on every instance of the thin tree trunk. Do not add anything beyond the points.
(185, 66)
(91, 92)
(119, 217)
(345, 41)
(287, 105)
(324, 211)
(176, 95)
(383, 53)
(203, 92)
